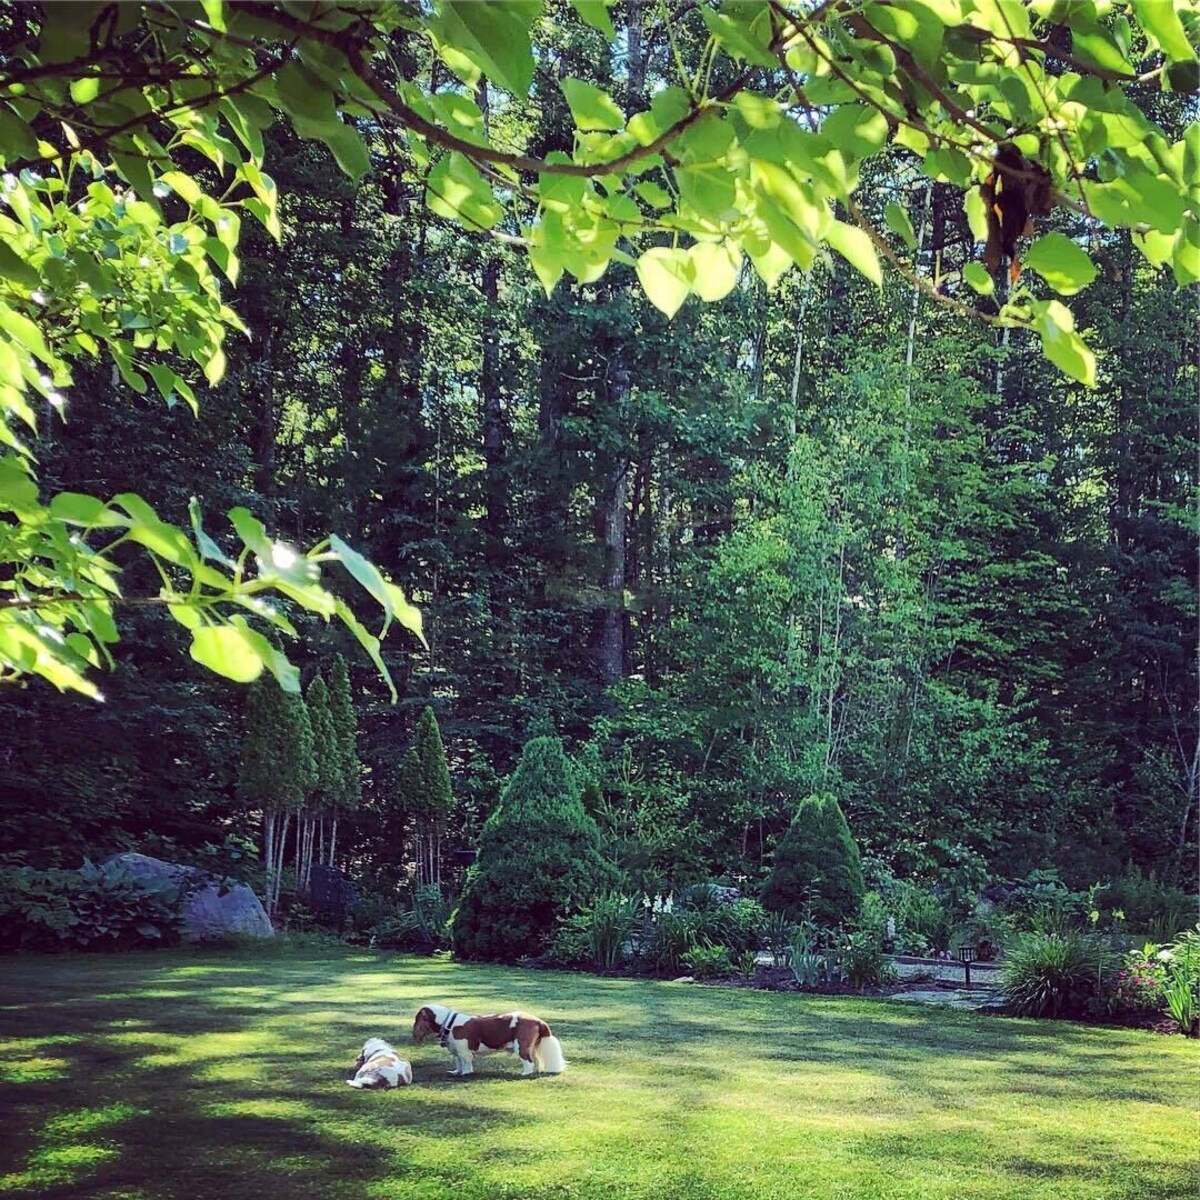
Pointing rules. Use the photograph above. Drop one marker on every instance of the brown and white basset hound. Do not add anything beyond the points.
(379, 1066)
(465, 1036)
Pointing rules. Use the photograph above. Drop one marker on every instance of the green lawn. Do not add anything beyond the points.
(221, 1076)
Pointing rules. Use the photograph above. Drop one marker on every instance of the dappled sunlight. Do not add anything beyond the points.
(231, 1083)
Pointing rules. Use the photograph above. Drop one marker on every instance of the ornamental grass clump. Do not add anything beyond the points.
(1053, 974)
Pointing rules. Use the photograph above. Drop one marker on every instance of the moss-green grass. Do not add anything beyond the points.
(221, 1076)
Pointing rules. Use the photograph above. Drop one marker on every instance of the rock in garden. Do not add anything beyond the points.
(210, 908)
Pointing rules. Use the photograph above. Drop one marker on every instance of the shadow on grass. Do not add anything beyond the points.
(167, 1076)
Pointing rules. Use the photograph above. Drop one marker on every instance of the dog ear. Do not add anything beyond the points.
(423, 1024)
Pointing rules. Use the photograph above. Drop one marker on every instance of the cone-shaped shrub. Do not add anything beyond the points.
(539, 860)
(816, 866)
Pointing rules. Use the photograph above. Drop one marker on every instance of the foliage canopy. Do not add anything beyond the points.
(132, 147)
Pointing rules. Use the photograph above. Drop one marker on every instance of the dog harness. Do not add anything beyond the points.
(445, 1027)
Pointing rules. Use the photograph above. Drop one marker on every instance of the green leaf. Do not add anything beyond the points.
(74, 508)
(896, 218)
(214, 368)
(409, 615)
(287, 675)
(365, 571)
(595, 13)
(1096, 47)
(1061, 263)
(1055, 325)
(745, 34)
(1160, 19)
(207, 547)
(16, 138)
(976, 208)
(349, 150)
(18, 492)
(856, 248)
(14, 267)
(214, 12)
(1184, 77)
(654, 194)
(666, 276)
(977, 276)
(302, 95)
(709, 190)
(85, 90)
(456, 190)
(715, 267)
(228, 651)
(494, 34)
(856, 129)
(366, 640)
(23, 330)
(590, 107)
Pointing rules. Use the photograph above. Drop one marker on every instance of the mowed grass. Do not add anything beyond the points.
(222, 1076)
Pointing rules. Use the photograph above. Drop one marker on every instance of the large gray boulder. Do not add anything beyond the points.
(208, 912)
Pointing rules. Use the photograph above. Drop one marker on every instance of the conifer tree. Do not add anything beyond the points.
(817, 867)
(328, 779)
(277, 769)
(345, 725)
(539, 860)
(430, 797)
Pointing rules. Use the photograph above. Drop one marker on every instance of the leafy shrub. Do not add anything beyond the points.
(809, 965)
(777, 934)
(960, 879)
(1138, 984)
(1182, 987)
(599, 936)
(98, 907)
(746, 963)
(421, 925)
(1041, 902)
(864, 962)
(816, 866)
(674, 935)
(571, 945)
(738, 925)
(539, 861)
(923, 921)
(708, 962)
(1052, 974)
(1149, 906)
(35, 907)
(611, 920)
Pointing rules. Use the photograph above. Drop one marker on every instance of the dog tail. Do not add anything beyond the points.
(550, 1055)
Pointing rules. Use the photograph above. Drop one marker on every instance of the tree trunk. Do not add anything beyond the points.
(614, 511)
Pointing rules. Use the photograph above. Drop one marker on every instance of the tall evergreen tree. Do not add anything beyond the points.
(539, 860)
(277, 769)
(328, 779)
(431, 799)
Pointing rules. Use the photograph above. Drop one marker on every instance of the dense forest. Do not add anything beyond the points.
(818, 537)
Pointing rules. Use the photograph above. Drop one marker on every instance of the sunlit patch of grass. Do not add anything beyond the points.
(33, 1068)
(224, 1074)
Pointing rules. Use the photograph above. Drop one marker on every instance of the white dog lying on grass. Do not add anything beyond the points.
(379, 1066)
